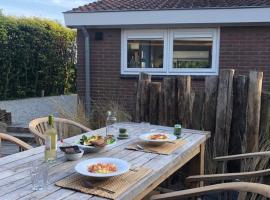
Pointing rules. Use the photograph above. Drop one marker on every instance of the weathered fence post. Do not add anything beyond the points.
(238, 126)
(253, 110)
(154, 89)
(210, 104)
(209, 118)
(197, 110)
(161, 107)
(142, 98)
(184, 100)
(224, 113)
(169, 100)
(265, 117)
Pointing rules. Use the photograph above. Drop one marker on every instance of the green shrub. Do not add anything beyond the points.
(35, 55)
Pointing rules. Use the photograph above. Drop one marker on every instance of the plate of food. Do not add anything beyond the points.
(157, 138)
(95, 142)
(100, 168)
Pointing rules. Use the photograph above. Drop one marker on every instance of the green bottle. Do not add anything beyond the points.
(50, 141)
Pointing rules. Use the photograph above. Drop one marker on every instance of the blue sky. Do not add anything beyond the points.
(51, 9)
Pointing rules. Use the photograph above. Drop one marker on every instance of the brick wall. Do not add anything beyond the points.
(245, 49)
(241, 48)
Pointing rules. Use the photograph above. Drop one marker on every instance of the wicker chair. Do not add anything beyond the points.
(22, 145)
(38, 127)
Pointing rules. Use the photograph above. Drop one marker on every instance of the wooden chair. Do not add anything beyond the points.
(257, 188)
(233, 176)
(233, 186)
(22, 145)
(38, 127)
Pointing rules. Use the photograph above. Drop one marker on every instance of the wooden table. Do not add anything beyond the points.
(15, 180)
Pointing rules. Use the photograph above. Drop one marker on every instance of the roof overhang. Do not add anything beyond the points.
(176, 17)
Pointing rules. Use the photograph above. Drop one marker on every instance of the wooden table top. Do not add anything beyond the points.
(15, 180)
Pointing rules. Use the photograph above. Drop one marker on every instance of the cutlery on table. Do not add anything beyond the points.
(90, 185)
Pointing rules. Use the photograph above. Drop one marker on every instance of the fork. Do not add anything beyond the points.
(90, 185)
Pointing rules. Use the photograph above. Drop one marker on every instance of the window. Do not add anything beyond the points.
(145, 54)
(170, 51)
(192, 54)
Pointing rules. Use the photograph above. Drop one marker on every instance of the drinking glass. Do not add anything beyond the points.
(145, 127)
(39, 175)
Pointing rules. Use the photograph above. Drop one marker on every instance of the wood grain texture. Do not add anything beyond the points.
(169, 100)
(253, 110)
(184, 100)
(224, 113)
(265, 117)
(239, 119)
(15, 182)
(154, 90)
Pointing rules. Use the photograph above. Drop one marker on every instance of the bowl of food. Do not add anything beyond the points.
(72, 152)
(95, 143)
(157, 138)
(100, 168)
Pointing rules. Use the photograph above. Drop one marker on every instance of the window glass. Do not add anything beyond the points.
(145, 54)
(192, 53)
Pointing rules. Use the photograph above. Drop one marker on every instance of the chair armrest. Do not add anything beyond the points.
(257, 188)
(14, 140)
(228, 176)
(242, 156)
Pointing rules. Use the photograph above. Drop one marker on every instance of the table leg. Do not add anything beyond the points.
(196, 167)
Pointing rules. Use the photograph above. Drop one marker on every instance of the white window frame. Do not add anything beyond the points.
(168, 36)
(150, 34)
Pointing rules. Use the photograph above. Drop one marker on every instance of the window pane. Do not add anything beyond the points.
(145, 54)
(192, 54)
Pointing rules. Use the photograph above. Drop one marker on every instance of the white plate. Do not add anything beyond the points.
(146, 138)
(122, 167)
(91, 149)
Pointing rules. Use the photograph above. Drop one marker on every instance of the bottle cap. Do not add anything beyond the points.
(51, 119)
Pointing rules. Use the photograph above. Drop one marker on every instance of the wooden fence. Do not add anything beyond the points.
(232, 107)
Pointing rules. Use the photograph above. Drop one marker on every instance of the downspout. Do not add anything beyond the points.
(87, 71)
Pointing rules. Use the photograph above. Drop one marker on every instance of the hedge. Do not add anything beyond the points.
(35, 55)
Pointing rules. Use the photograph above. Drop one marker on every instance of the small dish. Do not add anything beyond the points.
(147, 138)
(122, 137)
(74, 156)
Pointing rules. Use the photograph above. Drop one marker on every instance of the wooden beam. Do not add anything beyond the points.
(224, 113)
(253, 110)
(169, 100)
(184, 100)
(154, 90)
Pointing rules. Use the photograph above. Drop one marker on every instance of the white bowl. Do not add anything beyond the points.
(122, 167)
(146, 138)
(74, 156)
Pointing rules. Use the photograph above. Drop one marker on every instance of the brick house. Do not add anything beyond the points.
(117, 39)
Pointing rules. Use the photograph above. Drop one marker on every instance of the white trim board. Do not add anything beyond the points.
(178, 17)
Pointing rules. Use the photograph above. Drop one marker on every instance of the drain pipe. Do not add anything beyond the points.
(87, 71)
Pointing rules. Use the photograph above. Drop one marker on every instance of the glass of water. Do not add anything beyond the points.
(145, 127)
(39, 175)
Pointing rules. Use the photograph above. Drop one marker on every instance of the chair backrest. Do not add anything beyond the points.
(39, 126)
(255, 188)
(22, 145)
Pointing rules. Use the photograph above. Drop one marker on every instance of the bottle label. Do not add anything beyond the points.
(48, 143)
